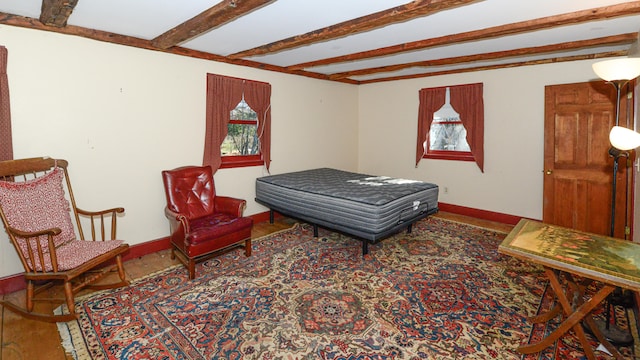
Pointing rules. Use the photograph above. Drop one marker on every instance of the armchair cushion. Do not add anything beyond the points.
(38, 204)
(214, 226)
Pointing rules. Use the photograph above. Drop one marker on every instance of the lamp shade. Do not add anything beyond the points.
(624, 139)
(617, 69)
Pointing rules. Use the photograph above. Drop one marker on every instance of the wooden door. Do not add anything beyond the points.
(578, 169)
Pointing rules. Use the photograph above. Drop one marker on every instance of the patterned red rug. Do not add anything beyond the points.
(440, 292)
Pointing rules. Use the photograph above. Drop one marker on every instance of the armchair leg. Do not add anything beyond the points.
(190, 262)
(191, 266)
(247, 247)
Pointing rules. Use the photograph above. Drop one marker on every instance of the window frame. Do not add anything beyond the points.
(449, 155)
(236, 161)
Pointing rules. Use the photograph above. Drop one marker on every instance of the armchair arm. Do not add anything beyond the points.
(179, 226)
(97, 219)
(31, 252)
(229, 205)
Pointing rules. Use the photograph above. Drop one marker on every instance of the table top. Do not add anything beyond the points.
(606, 259)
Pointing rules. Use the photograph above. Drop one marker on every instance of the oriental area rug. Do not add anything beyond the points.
(439, 292)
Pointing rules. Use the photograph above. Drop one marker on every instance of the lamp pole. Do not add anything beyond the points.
(617, 72)
(615, 153)
(614, 334)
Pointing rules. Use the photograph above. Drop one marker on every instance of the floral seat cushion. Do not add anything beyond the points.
(75, 253)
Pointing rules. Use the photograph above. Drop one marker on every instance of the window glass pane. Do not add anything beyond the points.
(447, 132)
(242, 138)
(448, 137)
(243, 112)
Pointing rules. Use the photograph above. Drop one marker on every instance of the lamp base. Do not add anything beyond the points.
(613, 334)
(622, 297)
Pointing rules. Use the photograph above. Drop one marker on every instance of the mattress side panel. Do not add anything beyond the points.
(363, 217)
(354, 187)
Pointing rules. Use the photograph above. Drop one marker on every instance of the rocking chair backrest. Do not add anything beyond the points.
(32, 198)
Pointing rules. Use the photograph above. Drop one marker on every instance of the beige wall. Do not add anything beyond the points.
(120, 115)
(514, 135)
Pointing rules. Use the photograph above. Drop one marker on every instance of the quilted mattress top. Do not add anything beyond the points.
(369, 189)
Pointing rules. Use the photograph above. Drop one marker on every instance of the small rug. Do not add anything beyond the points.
(439, 292)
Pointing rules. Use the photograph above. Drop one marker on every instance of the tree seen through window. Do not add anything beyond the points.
(242, 136)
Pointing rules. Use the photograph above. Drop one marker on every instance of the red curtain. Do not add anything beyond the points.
(223, 95)
(468, 102)
(258, 96)
(430, 101)
(6, 142)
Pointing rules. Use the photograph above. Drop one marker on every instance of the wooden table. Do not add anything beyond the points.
(580, 258)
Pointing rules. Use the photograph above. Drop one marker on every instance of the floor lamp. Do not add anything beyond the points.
(617, 72)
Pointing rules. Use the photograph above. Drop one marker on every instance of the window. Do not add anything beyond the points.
(241, 146)
(451, 124)
(447, 135)
(238, 128)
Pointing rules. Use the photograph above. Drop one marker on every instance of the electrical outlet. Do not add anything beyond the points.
(446, 190)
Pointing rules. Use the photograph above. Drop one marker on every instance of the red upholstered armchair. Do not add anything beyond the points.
(201, 222)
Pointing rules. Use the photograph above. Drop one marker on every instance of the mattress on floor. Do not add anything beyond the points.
(363, 205)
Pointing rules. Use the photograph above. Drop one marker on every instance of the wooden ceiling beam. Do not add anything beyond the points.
(412, 10)
(56, 12)
(606, 12)
(623, 39)
(501, 66)
(104, 36)
(20, 21)
(220, 14)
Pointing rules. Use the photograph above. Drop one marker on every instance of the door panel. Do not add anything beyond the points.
(578, 170)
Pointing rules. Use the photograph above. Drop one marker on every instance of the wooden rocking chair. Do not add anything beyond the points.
(37, 217)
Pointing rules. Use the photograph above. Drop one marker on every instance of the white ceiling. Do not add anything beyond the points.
(281, 19)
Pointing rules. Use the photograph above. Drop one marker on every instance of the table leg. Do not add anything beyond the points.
(555, 311)
(588, 319)
(574, 317)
